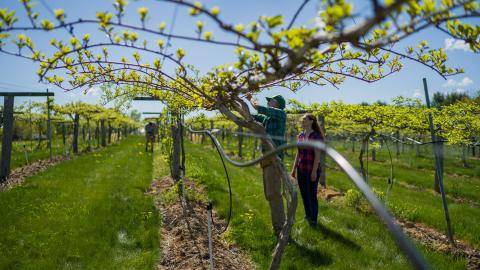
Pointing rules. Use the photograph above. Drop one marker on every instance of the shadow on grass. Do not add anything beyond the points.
(329, 233)
(313, 256)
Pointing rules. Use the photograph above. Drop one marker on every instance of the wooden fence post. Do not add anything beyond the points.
(202, 139)
(76, 122)
(240, 141)
(212, 126)
(103, 129)
(7, 137)
(397, 143)
(49, 128)
(64, 134)
(323, 167)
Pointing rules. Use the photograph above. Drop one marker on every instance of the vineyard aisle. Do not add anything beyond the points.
(344, 238)
(86, 213)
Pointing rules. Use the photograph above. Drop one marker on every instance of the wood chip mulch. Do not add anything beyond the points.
(18, 175)
(328, 194)
(184, 240)
(439, 241)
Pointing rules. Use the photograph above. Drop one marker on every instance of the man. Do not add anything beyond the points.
(273, 118)
(150, 129)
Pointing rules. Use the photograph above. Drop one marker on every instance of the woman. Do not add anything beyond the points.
(306, 168)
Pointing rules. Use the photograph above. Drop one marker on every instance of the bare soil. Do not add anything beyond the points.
(184, 240)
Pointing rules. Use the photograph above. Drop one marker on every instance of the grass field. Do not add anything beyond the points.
(87, 213)
(345, 238)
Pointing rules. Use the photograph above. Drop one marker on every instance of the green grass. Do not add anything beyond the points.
(345, 238)
(420, 203)
(419, 171)
(40, 151)
(87, 213)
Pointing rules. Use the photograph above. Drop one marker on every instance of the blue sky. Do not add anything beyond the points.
(18, 74)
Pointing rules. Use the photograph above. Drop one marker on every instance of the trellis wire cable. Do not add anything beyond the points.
(402, 240)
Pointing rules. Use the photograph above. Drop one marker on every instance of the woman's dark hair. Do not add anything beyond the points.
(315, 125)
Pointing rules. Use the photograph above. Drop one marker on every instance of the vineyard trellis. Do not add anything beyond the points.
(7, 122)
(417, 260)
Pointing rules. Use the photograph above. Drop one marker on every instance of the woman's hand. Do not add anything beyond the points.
(313, 176)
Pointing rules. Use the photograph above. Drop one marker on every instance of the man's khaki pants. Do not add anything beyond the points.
(272, 187)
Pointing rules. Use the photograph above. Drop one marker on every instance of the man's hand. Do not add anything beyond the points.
(248, 96)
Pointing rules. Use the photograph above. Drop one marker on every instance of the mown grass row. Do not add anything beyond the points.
(345, 238)
(87, 213)
(415, 201)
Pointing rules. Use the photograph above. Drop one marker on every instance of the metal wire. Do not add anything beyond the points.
(402, 240)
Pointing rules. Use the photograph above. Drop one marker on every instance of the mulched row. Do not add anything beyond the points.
(18, 175)
(184, 240)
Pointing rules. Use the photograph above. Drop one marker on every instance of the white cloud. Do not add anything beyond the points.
(450, 83)
(466, 81)
(460, 90)
(456, 44)
(417, 93)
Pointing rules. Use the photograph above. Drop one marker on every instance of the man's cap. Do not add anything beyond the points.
(279, 99)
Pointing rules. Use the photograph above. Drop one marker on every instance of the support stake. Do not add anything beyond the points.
(438, 164)
(210, 244)
(7, 137)
(49, 128)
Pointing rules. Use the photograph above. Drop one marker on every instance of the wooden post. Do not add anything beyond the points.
(323, 167)
(83, 133)
(203, 135)
(64, 134)
(97, 133)
(103, 130)
(176, 137)
(109, 133)
(49, 127)
(7, 137)
(212, 126)
(397, 143)
(227, 137)
(89, 135)
(76, 123)
(240, 141)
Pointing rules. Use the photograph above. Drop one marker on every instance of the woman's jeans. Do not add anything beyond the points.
(308, 189)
